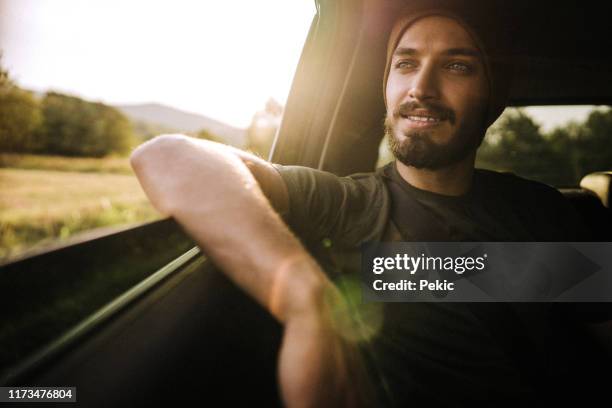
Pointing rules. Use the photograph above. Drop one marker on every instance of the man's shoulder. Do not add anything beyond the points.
(515, 187)
(358, 184)
(304, 171)
(547, 210)
(349, 209)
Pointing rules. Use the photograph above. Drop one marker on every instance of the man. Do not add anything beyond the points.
(442, 91)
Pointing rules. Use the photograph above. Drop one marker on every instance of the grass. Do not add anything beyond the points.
(114, 165)
(46, 199)
(63, 197)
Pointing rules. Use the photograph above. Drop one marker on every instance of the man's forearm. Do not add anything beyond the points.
(210, 191)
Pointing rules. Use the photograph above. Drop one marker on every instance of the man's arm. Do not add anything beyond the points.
(218, 195)
(208, 189)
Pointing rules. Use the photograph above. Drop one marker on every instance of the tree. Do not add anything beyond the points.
(515, 144)
(561, 157)
(20, 116)
(207, 135)
(4, 76)
(75, 127)
(596, 141)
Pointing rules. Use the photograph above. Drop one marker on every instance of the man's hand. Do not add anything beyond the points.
(212, 191)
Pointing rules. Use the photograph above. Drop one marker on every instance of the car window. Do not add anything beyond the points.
(85, 82)
(556, 145)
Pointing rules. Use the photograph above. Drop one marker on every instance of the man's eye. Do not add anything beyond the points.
(460, 67)
(405, 64)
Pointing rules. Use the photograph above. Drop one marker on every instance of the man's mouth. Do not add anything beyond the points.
(422, 119)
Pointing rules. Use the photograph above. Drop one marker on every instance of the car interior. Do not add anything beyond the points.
(186, 333)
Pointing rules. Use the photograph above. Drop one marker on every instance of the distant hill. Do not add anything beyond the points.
(166, 117)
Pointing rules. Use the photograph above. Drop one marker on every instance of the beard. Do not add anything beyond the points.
(420, 151)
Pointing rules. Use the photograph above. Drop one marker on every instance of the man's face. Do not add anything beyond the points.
(436, 93)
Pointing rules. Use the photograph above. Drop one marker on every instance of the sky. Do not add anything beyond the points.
(219, 58)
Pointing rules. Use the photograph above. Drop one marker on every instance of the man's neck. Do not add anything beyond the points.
(453, 180)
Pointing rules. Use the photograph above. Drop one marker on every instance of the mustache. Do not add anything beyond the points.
(437, 109)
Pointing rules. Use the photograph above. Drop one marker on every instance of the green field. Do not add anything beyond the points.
(113, 165)
(44, 199)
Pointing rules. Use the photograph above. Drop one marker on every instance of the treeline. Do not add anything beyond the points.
(59, 124)
(560, 157)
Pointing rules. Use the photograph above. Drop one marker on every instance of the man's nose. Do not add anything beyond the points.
(424, 84)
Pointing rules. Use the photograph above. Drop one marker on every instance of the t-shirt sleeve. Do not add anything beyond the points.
(346, 210)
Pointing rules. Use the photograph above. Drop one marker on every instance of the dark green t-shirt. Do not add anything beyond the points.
(438, 353)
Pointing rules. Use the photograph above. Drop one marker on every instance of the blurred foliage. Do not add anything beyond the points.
(59, 124)
(207, 135)
(146, 130)
(4, 76)
(20, 116)
(74, 127)
(516, 143)
(261, 132)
